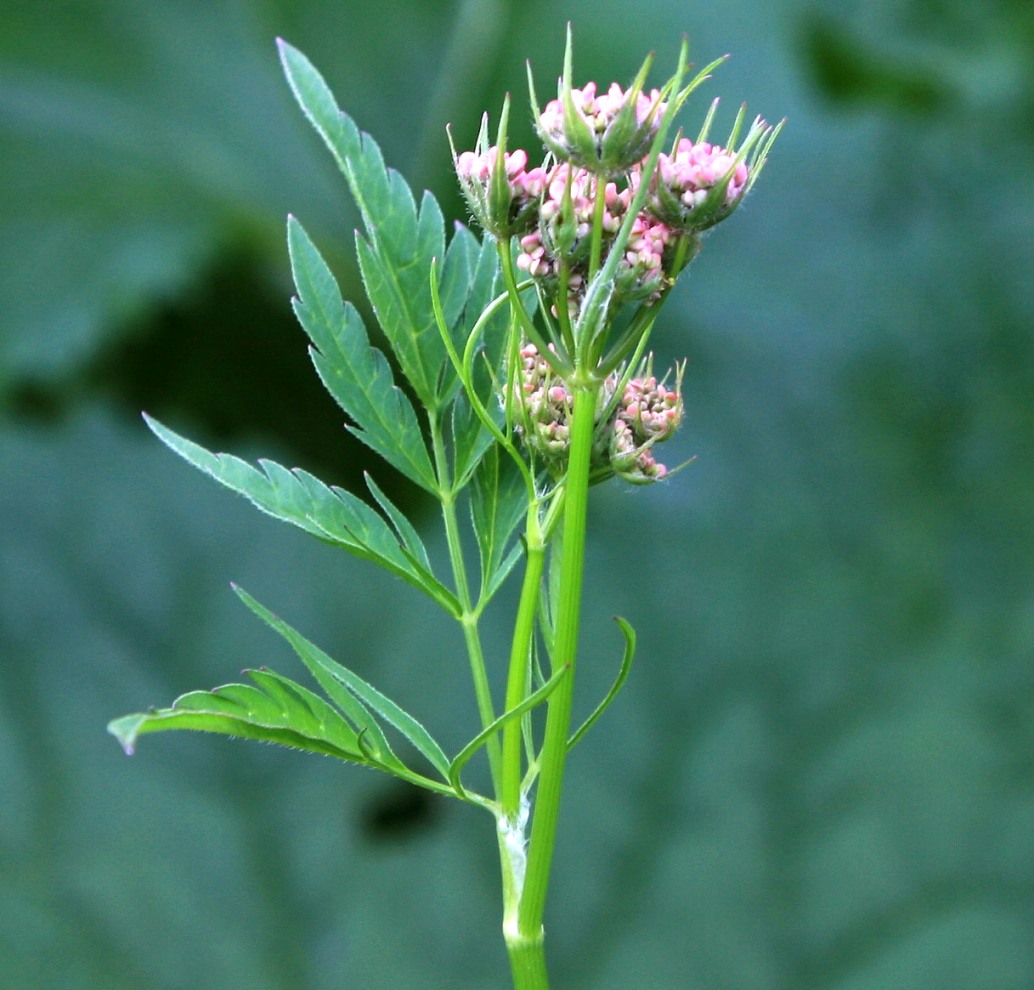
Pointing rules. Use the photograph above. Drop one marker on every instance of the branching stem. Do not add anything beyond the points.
(468, 617)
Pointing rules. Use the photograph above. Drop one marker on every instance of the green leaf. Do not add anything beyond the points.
(470, 436)
(356, 374)
(454, 287)
(470, 439)
(486, 283)
(331, 514)
(400, 242)
(338, 681)
(410, 538)
(626, 668)
(532, 701)
(274, 710)
(498, 503)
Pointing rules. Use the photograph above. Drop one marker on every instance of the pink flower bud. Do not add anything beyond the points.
(604, 133)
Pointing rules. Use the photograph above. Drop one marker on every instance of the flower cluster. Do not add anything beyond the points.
(606, 219)
(505, 195)
(551, 207)
(559, 242)
(647, 412)
(697, 185)
(544, 405)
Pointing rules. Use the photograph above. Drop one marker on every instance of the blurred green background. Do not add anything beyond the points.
(821, 774)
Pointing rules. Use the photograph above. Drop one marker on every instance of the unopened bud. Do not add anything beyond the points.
(607, 133)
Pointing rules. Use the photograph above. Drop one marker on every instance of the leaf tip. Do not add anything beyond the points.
(125, 731)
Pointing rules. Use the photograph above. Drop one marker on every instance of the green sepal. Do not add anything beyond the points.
(400, 241)
(274, 709)
(345, 687)
(333, 515)
(356, 375)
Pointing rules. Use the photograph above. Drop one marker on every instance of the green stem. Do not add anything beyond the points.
(565, 646)
(527, 963)
(596, 244)
(468, 617)
(557, 360)
(518, 677)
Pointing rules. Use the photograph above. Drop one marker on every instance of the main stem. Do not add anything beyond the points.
(526, 943)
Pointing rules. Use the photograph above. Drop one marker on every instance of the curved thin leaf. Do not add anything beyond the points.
(343, 686)
(626, 666)
(274, 709)
(533, 700)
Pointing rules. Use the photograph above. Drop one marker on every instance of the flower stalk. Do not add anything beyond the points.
(604, 225)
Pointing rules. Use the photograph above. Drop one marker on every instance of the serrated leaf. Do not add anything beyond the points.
(331, 514)
(498, 502)
(274, 710)
(470, 439)
(338, 680)
(356, 375)
(458, 306)
(457, 272)
(407, 533)
(461, 303)
(402, 321)
(400, 242)
(485, 284)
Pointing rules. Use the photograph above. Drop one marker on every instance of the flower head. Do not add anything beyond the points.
(604, 133)
(501, 191)
(646, 413)
(699, 183)
(560, 241)
(543, 406)
(608, 220)
(649, 412)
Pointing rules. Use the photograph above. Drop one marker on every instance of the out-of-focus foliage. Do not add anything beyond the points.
(835, 786)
